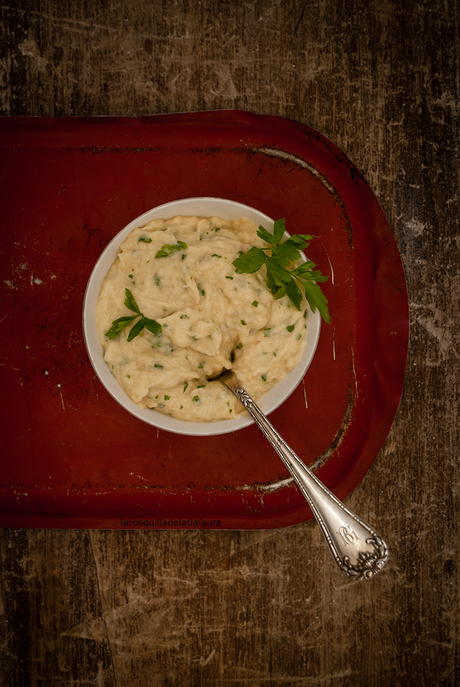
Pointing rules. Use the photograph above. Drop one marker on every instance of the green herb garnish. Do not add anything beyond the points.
(122, 322)
(144, 239)
(170, 248)
(281, 279)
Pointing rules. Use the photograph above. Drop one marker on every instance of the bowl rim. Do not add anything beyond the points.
(268, 403)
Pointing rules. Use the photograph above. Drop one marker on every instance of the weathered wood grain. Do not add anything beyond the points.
(380, 78)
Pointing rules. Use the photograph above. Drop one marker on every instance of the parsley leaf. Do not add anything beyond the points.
(130, 302)
(282, 279)
(152, 326)
(251, 261)
(118, 326)
(169, 248)
(138, 327)
(265, 235)
(294, 293)
(122, 322)
(279, 229)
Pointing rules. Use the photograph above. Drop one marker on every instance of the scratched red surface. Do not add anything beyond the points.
(71, 456)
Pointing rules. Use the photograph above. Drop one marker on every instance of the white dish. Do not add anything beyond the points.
(202, 207)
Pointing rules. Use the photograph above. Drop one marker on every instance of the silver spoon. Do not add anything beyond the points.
(357, 549)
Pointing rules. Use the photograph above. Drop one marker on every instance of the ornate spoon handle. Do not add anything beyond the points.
(357, 549)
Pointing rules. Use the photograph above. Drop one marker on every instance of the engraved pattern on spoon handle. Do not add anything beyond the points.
(357, 549)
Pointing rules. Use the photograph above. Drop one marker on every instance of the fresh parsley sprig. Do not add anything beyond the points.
(122, 322)
(282, 279)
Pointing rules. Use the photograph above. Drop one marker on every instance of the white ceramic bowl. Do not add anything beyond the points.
(202, 207)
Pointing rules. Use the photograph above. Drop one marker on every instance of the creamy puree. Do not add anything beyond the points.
(211, 317)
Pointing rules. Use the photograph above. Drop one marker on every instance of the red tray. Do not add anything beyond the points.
(72, 457)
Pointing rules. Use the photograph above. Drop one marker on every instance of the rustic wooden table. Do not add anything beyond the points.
(263, 608)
